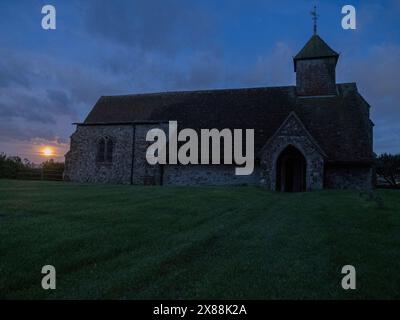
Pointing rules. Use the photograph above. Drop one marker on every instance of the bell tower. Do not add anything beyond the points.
(315, 66)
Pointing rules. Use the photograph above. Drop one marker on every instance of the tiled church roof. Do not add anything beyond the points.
(340, 124)
(316, 48)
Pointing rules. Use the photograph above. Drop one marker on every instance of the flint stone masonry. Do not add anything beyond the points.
(348, 177)
(129, 164)
(315, 66)
(316, 77)
(207, 175)
(80, 162)
(292, 133)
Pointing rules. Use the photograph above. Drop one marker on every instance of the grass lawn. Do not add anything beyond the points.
(124, 242)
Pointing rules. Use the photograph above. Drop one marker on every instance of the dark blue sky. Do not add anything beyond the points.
(49, 79)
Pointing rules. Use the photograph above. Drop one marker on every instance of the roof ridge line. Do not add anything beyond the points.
(195, 91)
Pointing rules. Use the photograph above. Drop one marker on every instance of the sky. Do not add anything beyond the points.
(50, 79)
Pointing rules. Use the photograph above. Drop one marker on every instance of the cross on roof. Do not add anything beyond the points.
(315, 18)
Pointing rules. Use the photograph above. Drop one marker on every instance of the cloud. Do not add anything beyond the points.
(41, 92)
(152, 26)
(273, 68)
(13, 71)
(378, 76)
(22, 130)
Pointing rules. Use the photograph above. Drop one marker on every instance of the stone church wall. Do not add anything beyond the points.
(82, 165)
(207, 175)
(144, 173)
(292, 134)
(348, 177)
(315, 77)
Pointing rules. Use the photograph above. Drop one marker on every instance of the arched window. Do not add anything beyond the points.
(109, 152)
(101, 147)
(105, 147)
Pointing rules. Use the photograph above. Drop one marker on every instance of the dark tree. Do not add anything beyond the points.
(388, 167)
(10, 166)
(52, 165)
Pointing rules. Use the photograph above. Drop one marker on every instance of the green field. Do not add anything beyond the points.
(124, 242)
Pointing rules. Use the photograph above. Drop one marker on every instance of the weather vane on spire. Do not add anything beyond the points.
(315, 18)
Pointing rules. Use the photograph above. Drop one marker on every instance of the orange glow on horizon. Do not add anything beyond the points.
(47, 152)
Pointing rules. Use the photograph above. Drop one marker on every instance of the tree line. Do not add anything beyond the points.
(11, 167)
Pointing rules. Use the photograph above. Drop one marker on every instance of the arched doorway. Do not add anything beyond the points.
(291, 171)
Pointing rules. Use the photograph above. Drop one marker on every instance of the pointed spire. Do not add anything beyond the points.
(315, 17)
(315, 48)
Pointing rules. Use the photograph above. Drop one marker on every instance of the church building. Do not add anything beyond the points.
(314, 135)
